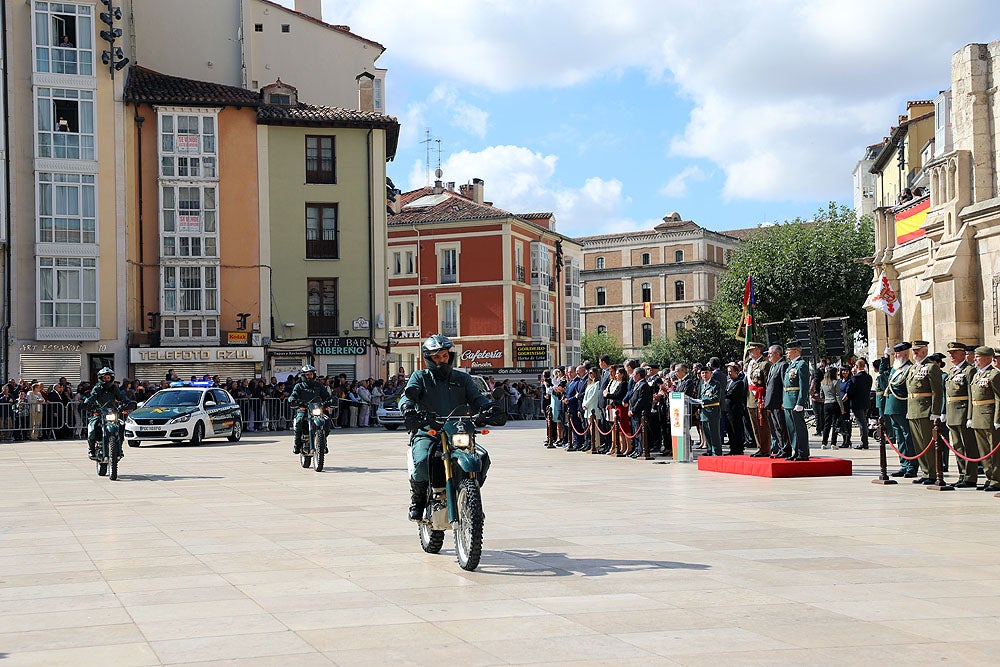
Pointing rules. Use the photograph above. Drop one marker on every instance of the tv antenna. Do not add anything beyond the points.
(428, 146)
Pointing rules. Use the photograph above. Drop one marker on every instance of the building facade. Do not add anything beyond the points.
(941, 251)
(674, 267)
(500, 285)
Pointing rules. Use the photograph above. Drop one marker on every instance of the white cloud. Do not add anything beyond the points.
(520, 180)
(678, 185)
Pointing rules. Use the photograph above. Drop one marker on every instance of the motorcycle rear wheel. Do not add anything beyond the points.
(430, 540)
(469, 531)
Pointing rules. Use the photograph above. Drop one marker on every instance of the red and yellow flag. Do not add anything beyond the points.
(647, 309)
(910, 221)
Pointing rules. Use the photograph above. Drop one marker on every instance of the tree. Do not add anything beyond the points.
(706, 335)
(663, 351)
(802, 269)
(593, 345)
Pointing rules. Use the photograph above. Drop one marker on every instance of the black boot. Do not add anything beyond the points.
(296, 445)
(92, 451)
(418, 499)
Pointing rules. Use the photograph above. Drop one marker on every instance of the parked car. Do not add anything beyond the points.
(388, 413)
(185, 412)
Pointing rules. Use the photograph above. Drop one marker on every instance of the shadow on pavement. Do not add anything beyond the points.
(359, 469)
(163, 478)
(530, 563)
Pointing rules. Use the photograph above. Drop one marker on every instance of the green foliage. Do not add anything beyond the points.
(706, 335)
(593, 345)
(662, 351)
(802, 269)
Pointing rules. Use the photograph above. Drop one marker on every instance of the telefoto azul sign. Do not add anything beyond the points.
(481, 358)
(341, 346)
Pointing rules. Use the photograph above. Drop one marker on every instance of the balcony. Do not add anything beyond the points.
(322, 323)
(519, 273)
(522, 328)
(449, 329)
(448, 278)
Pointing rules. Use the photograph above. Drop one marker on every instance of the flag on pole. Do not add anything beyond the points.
(647, 309)
(885, 297)
(747, 329)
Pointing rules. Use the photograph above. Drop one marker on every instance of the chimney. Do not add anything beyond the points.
(438, 187)
(395, 205)
(313, 8)
(465, 190)
(451, 186)
(477, 190)
(366, 91)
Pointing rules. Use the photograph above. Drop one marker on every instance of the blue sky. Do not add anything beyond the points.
(613, 114)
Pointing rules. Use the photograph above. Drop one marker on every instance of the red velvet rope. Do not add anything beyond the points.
(629, 435)
(907, 458)
(962, 456)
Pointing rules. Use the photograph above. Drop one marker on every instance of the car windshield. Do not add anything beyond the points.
(174, 399)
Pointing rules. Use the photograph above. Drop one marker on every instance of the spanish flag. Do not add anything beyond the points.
(910, 221)
(647, 309)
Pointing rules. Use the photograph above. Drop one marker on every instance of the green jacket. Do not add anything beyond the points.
(711, 400)
(881, 382)
(956, 391)
(796, 382)
(442, 396)
(895, 392)
(985, 395)
(305, 392)
(102, 396)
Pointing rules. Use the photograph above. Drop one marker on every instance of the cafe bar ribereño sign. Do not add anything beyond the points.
(355, 346)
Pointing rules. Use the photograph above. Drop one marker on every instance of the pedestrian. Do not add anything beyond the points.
(833, 406)
(858, 393)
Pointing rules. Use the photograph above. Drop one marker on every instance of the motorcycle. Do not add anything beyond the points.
(314, 446)
(109, 450)
(458, 466)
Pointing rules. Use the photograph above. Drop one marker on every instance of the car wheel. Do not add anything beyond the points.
(197, 434)
(391, 427)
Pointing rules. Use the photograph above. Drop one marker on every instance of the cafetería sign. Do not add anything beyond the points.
(531, 352)
(341, 346)
(481, 358)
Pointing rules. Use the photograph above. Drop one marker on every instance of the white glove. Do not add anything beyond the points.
(968, 424)
(799, 408)
(935, 418)
(996, 427)
(886, 351)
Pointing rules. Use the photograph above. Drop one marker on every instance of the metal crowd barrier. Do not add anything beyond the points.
(271, 414)
(42, 421)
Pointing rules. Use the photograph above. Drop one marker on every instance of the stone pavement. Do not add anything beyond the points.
(233, 554)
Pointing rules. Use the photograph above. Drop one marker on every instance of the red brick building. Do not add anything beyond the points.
(484, 277)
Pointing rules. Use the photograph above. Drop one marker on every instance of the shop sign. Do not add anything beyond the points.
(289, 353)
(341, 346)
(237, 338)
(481, 358)
(506, 370)
(52, 347)
(360, 324)
(147, 355)
(531, 352)
(405, 334)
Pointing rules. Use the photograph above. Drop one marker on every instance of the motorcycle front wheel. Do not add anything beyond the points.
(113, 459)
(305, 460)
(319, 449)
(102, 468)
(469, 530)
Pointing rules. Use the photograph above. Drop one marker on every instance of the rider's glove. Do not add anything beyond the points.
(412, 420)
(799, 408)
(483, 418)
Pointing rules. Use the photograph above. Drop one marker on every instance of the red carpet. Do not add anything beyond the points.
(765, 467)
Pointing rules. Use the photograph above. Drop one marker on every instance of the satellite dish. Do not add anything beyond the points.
(438, 173)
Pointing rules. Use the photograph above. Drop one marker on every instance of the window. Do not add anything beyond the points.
(321, 306)
(320, 159)
(258, 27)
(600, 262)
(678, 256)
(647, 334)
(679, 326)
(190, 289)
(279, 98)
(541, 265)
(65, 123)
(522, 324)
(189, 216)
(601, 329)
(449, 317)
(645, 258)
(541, 315)
(647, 292)
(601, 296)
(448, 261)
(519, 262)
(67, 292)
(679, 290)
(64, 38)
(190, 328)
(286, 27)
(411, 313)
(404, 262)
(377, 95)
(66, 208)
(404, 313)
(187, 146)
(321, 232)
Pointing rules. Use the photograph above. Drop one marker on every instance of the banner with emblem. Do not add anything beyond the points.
(747, 329)
(885, 298)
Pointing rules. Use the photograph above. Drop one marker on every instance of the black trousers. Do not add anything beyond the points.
(736, 431)
(781, 445)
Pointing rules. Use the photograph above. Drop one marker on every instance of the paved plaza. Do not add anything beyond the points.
(233, 554)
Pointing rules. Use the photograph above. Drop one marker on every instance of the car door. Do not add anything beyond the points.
(228, 411)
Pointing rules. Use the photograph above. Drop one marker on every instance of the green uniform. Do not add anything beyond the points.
(894, 407)
(924, 388)
(796, 382)
(103, 395)
(881, 383)
(984, 413)
(711, 416)
(303, 393)
(956, 390)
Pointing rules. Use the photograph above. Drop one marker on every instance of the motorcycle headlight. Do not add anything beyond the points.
(461, 441)
(181, 419)
(111, 417)
(317, 411)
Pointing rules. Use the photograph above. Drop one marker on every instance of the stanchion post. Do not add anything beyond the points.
(618, 436)
(645, 437)
(883, 476)
(939, 483)
(594, 435)
(549, 425)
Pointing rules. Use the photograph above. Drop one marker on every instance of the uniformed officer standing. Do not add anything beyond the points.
(894, 409)
(956, 389)
(924, 386)
(756, 371)
(796, 381)
(984, 414)
(711, 411)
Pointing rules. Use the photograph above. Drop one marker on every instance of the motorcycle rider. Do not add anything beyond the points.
(307, 390)
(439, 390)
(104, 394)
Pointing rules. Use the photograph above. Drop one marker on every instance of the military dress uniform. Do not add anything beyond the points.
(956, 390)
(924, 387)
(796, 381)
(984, 415)
(894, 410)
(756, 372)
(711, 415)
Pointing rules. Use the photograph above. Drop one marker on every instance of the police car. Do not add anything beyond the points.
(185, 411)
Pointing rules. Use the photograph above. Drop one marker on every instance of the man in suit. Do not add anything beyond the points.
(956, 409)
(859, 390)
(736, 407)
(924, 387)
(757, 369)
(781, 445)
(574, 407)
(640, 402)
(795, 399)
(984, 413)
(602, 401)
(894, 409)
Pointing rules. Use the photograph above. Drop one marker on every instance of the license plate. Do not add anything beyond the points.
(151, 428)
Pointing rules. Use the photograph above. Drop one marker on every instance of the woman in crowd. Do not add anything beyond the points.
(615, 395)
(845, 420)
(833, 405)
(591, 396)
(35, 400)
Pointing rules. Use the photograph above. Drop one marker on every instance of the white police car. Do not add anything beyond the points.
(185, 411)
